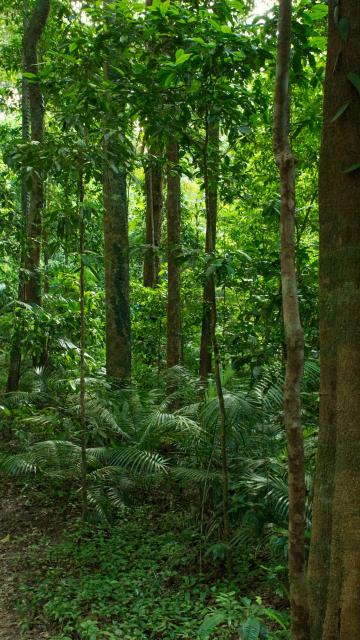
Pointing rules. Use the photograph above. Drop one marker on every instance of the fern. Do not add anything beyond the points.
(250, 630)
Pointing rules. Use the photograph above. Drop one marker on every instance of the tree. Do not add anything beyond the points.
(15, 353)
(334, 563)
(173, 211)
(211, 168)
(32, 35)
(32, 110)
(116, 244)
(294, 338)
(154, 203)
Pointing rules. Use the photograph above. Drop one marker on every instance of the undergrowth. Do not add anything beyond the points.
(140, 580)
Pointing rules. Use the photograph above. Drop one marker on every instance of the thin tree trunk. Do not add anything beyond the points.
(173, 232)
(154, 202)
(222, 423)
(334, 561)
(116, 240)
(211, 158)
(293, 331)
(84, 503)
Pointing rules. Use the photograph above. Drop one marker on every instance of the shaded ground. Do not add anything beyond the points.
(22, 523)
(138, 580)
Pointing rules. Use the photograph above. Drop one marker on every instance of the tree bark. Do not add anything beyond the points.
(32, 35)
(82, 407)
(116, 240)
(293, 331)
(222, 424)
(15, 352)
(334, 562)
(173, 232)
(32, 113)
(154, 202)
(211, 158)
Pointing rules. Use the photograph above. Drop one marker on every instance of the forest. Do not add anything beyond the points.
(180, 319)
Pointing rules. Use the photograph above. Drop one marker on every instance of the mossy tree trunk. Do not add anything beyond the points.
(334, 562)
(294, 338)
(32, 112)
(116, 255)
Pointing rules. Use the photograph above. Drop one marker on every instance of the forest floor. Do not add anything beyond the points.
(136, 580)
(23, 523)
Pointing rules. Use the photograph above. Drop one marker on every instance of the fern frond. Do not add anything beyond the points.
(138, 461)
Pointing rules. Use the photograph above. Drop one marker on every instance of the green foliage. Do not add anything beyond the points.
(171, 66)
(141, 580)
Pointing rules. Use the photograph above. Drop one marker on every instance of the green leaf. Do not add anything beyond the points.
(343, 28)
(274, 615)
(318, 41)
(181, 56)
(251, 629)
(355, 80)
(164, 6)
(340, 111)
(33, 77)
(210, 623)
(170, 80)
(353, 167)
(318, 12)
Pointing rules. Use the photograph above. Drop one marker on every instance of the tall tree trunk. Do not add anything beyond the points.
(211, 159)
(116, 240)
(222, 424)
(32, 112)
(293, 331)
(153, 190)
(334, 562)
(173, 233)
(154, 203)
(32, 35)
(15, 352)
(82, 407)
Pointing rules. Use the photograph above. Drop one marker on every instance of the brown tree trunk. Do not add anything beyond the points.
(32, 111)
(116, 241)
(32, 35)
(222, 424)
(334, 562)
(82, 407)
(293, 331)
(154, 202)
(15, 352)
(211, 158)
(173, 233)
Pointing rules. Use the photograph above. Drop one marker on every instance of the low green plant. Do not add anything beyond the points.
(247, 618)
(138, 581)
